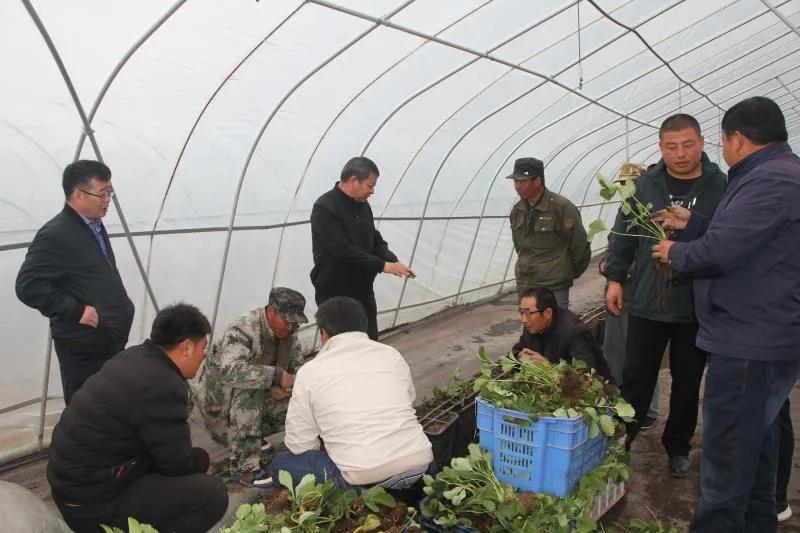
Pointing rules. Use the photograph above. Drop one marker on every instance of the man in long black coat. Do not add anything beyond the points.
(349, 252)
(70, 275)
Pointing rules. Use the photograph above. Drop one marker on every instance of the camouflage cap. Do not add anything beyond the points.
(629, 171)
(289, 304)
(527, 168)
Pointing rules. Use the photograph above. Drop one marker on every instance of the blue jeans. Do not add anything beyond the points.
(311, 462)
(738, 468)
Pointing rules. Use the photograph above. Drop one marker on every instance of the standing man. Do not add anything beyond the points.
(348, 250)
(244, 389)
(684, 176)
(70, 275)
(747, 287)
(122, 447)
(549, 237)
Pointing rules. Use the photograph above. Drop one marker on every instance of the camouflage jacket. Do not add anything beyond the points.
(550, 241)
(244, 358)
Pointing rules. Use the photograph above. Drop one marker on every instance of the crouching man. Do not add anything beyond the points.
(122, 447)
(550, 334)
(244, 388)
(356, 396)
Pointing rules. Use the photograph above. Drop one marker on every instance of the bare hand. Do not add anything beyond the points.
(602, 265)
(672, 218)
(287, 382)
(210, 471)
(89, 317)
(532, 356)
(614, 298)
(279, 393)
(398, 269)
(661, 251)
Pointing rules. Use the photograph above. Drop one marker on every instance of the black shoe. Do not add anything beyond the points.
(648, 422)
(679, 466)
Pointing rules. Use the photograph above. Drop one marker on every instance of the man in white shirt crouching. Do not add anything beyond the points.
(356, 398)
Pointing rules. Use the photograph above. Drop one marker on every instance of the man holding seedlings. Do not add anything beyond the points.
(661, 308)
(550, 334)
(122, 447)
(549, 237)
(70, 275)
(746, 269)
(349, 252)
(356, 399)
(244, 388)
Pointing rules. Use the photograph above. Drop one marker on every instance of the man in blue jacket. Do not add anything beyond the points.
(746, 267)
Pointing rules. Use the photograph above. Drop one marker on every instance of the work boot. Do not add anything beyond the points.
(679, 466)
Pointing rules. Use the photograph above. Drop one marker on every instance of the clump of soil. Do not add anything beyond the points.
(528, 500)
(573, 385)
(275, 500)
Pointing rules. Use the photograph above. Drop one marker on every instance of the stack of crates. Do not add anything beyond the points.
(550, 455)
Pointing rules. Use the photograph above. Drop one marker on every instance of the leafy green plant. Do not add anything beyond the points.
(636, 525)
(133, 527)
(467, 493)
(561, 390)
(319, 508)
(639, 214)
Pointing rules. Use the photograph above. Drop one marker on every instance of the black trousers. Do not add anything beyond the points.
(644, 349)
(369, 304)
(78, 363)
(180, 504)
(785, 455)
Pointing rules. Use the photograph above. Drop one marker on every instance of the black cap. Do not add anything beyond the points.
(527, 168)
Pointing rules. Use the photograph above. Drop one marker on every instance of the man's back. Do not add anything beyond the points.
(134, 409)
(361, 394)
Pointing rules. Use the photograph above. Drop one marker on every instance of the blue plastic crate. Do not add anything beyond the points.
(550, 455)
(484, 421)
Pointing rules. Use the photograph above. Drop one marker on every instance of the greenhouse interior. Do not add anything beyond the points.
(222, 123)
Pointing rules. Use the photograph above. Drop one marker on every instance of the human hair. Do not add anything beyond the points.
(360, 167)
(545, 299)
(679, 122)
(757, 118)
(341, 314)
(80, 173)
(178, 322)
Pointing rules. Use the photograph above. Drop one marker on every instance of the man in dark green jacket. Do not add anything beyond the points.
(549, 237)
(661, 308)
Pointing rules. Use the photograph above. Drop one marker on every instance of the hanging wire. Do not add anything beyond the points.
(580, 65)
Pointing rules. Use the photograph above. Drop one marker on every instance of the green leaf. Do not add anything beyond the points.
(285, 479)
(594, 430)
(371, 523)
(607, 425)
(560, 413)
(624, 410)
(243, 511)
(572, 413)
(597, 226)
(306, 484)
(305, 515)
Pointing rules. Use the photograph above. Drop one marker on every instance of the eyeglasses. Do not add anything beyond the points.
(528, 312)
(107, 195)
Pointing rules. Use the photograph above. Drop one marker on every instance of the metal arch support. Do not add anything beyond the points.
(463, 136)
(644, 41)
(132, 50)
(471, 51)
(781, 16)
(788, 90)
(87, 128)
(345, 108)
(451, 73)
(513, 100)
(376, 24)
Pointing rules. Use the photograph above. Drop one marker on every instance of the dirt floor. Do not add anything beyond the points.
(436, 346)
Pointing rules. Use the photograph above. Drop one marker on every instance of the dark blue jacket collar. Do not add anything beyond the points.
(756, 158)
